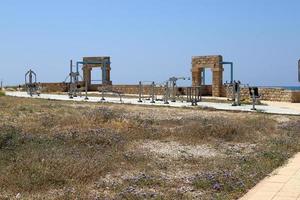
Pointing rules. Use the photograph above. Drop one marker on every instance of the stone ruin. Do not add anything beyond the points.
(95, 62)
(199, 63)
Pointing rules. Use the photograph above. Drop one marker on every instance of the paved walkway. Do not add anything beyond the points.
(272, 109)
(283, 184)
(295, 106)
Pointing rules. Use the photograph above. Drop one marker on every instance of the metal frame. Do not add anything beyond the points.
(231, 70)
(236, 87)
(141, 92)
(74, 79)
(167, 93)
(173, 84)
(106, 90)
(31, 84)
(254, 94)
(193, 95)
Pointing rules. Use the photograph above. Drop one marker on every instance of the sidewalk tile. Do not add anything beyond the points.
(278, 179)
(262, 195)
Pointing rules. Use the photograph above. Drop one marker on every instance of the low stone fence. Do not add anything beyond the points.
(54, 87)
(147, 89)
(268, 94)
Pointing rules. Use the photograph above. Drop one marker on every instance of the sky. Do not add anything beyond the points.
(151, 39)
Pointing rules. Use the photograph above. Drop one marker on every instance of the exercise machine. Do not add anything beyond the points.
(173, 84)
(151, 96)
(109, 90)
(74, 87)
(31, 85)
(193, 95)
(254, 95)
(236, 87)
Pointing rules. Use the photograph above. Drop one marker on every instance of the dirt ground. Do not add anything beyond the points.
(68, 150)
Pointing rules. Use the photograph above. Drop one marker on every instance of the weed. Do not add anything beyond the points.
(62, 150)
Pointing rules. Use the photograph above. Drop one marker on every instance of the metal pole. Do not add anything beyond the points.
(102, 99)
(166, 93)
(231, 69)
(239, 94)
(140, 92)
(231, 74)
(203, 77)
(86, 90)
(120, 97)
(187, 94)
(252, 94)
(71, 70)
(104, 73)
(173, 91)
(253, 101)
(193, 100)
(234, 91)
(30, 82)
(153, 93)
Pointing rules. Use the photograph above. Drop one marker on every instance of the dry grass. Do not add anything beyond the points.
(63, 150)
(2, 93)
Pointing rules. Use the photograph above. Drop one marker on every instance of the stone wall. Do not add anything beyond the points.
(147, 89)
(54, 87)
(295, 97)
(269, 94)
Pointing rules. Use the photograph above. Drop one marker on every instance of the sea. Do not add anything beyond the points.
(284, 87)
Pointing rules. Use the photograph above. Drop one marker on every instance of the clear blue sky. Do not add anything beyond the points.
(151, 39)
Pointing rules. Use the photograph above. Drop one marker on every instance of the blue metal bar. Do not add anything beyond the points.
(104, 73)
(203, 77)
(231, 69)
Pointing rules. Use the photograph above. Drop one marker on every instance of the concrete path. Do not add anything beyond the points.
(273, 109)
(294, 106)
(283, 184)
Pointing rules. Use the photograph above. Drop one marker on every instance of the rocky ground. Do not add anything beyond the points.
(69, 150)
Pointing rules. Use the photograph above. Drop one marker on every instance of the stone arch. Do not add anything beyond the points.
(199, 63)
(94, 62)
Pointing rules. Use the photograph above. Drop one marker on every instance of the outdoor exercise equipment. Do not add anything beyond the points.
(31, 85)
(172, 82)
(109, 90)
(74, 77)
(254, 94)
(150, 96)
(236, 86)
(193, 95)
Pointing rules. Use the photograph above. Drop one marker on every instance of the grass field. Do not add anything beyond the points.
(66, 150)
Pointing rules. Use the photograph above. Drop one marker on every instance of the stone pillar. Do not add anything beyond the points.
(196, 76)
(108, 74)
(87, 75)
(107, 78)
(217, 82)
